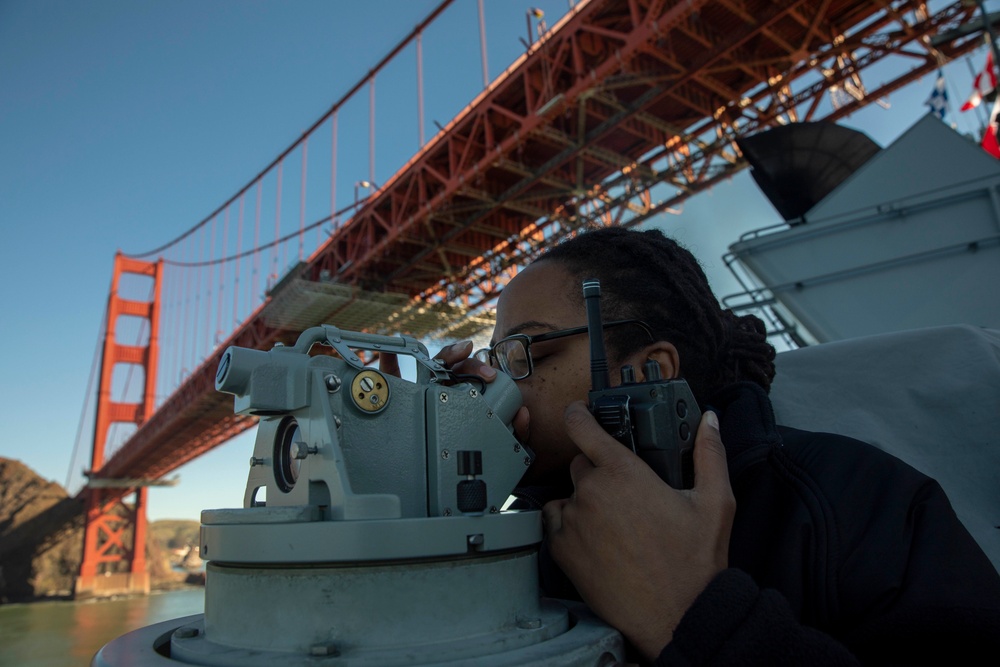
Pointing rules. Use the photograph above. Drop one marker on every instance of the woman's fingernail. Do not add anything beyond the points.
(712, 419)
(464, 346)
(489, 371)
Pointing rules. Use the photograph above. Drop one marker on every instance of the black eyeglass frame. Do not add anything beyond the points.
(526, 340)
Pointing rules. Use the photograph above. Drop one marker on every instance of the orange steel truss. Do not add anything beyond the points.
(622, 99)
(619, 97)
(115, 534)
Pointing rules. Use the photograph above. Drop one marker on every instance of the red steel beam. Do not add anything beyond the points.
(618, 97)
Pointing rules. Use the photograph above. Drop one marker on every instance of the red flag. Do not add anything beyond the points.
(984, 84)
(989, 142)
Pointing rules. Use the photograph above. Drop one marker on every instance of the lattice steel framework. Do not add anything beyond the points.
(618, 98)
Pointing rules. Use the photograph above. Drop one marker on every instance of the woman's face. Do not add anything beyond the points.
(546, 297)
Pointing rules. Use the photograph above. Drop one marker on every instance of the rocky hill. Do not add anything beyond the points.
(41, 539)
(41, 535)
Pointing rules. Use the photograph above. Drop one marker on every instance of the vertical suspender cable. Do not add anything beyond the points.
(197, 303)
(482, 45)
(371, 132)
(302, 198)
(384, 62)
(210, 289)
(333, 171)
(169, 374)
(210, 292)
(188, 273)
(219, 331)
(91, 390)
(176, 343)
(420, 85)
(236, 271)
(256, 253)
(273, 278)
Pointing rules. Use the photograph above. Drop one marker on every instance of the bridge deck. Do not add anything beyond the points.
(619, 96)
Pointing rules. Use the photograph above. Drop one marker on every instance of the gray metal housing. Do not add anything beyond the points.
(382, 539)
(910, 240)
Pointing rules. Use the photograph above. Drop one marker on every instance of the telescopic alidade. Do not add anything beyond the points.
(372, 531)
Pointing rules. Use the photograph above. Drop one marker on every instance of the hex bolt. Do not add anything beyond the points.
(443, 396)
(187, 632)
(301, 450)
(254, 461)
(445, 454)
(332, 382)
(366, 384)
(336, 421)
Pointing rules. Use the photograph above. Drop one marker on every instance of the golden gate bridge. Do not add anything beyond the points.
(615, 102)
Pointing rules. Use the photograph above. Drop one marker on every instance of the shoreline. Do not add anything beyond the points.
(189, 582)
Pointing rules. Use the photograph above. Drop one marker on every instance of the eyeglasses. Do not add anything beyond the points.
(512, 354)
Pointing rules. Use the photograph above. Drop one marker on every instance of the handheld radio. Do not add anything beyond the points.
(657, 418)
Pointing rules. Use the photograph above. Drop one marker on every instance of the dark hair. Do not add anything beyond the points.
(650, 277)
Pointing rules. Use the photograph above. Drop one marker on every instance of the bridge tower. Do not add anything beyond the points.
(114, 545)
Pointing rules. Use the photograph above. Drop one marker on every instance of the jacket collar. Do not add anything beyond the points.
(746, 419)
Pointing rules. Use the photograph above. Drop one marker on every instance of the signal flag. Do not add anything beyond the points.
(984, 84)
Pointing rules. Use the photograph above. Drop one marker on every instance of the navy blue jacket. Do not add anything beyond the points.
(840, 554)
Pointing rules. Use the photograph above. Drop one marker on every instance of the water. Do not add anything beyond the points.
(58, 634)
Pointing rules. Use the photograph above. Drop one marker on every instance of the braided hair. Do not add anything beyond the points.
(650, 277)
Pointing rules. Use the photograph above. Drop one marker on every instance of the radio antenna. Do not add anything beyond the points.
(595, 329)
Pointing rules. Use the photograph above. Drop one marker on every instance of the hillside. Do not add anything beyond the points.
(41, 539)
(41, 535)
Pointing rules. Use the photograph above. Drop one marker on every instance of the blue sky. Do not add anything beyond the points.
(123, 123)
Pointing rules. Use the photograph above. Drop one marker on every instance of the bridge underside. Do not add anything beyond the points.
(619, 98)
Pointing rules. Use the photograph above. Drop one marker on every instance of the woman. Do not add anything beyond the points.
(792, 547)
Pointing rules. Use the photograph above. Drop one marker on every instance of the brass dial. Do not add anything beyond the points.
(370, 391)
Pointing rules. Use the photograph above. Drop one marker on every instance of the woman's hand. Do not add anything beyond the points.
(457, 359)
(638, 551)
(453, 357)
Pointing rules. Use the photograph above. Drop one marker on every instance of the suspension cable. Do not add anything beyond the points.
(86, 401)
(283, 239)
(333, 109)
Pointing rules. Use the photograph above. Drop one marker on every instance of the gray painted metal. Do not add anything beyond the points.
(320, 444)
(911, 240)
(587, 643)
(362, 554)
(374, 614)
(929, 397)
(375, 540)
